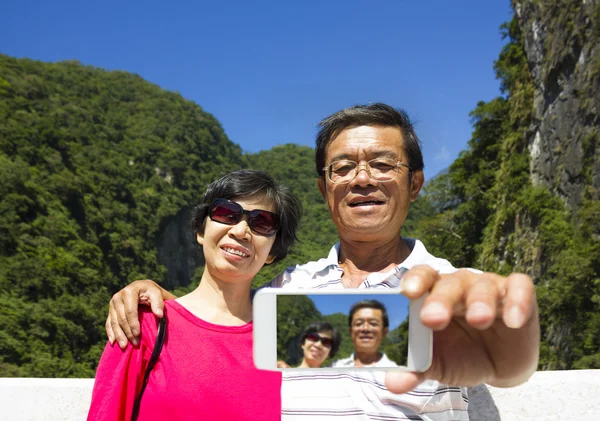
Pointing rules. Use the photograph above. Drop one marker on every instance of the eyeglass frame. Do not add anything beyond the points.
(367, 167)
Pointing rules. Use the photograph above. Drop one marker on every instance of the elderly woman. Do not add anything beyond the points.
(318, 342)
(205, 368)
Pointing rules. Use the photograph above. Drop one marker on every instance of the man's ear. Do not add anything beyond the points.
(322, 187)
(200, 238)
(416, 184)
(385, 332)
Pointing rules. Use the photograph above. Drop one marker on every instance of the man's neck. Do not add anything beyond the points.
(366, 359)
(359, 259)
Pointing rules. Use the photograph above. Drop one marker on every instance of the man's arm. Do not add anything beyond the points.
(486, 328)
(122, 323)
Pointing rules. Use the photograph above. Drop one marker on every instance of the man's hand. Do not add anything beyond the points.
(122, 322)
(486, 328)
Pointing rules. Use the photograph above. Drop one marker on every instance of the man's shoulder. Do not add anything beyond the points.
(385, 361)
(344, 362)
(420, 256)
(301, 275)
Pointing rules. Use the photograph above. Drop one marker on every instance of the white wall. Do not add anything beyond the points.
(547, 396)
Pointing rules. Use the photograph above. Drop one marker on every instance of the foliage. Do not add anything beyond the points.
(91, 162)
(486, 213)
(94, 165)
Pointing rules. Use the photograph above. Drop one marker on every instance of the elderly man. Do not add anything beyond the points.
(369, 325)
(486, 327)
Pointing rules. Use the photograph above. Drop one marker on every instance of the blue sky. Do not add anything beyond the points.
(395, 304)
(270, 70)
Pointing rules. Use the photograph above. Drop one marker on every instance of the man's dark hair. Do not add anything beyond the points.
(377, 114)
(369, 304)
(318, 327)
(245, 183)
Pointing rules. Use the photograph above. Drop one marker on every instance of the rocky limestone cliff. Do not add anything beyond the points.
(178, 250)
(563, 51)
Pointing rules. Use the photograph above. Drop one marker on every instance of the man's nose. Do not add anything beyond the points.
(362, 177)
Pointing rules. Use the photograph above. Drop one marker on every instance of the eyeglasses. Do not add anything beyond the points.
(315, 337)
(380, 169)
(230, 213)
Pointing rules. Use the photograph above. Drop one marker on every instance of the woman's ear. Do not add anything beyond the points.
(200, 238)
(270, 259)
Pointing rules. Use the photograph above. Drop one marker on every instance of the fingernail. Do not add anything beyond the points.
(434, 310)
(410, 285)
(122, 344)
(135, 341)
(479, 309)
(111, 340)
(135, 332)
(514, 317)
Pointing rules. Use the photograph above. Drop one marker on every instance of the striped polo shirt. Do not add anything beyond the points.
(384, 361)
(361, 395)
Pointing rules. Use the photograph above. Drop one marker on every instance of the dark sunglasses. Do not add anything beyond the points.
(315, 337)
(230, 213)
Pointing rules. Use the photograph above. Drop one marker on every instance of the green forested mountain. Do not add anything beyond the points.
(96, 167)
(98, 170)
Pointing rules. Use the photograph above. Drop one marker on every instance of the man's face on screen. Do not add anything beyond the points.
(367, 330)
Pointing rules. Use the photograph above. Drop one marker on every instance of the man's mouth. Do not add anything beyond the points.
(366, 203)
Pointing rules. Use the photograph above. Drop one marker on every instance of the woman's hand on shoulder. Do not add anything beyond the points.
(122, 323)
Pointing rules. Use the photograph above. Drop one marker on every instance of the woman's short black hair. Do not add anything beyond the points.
(317, 327)
(244, 183)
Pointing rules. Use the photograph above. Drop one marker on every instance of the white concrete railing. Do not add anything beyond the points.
(547, 396)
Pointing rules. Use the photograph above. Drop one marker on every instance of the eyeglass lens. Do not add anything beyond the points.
(314, 337)
(379, 169)
(230, 213)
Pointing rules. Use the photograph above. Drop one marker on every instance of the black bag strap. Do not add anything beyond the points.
(160, 339)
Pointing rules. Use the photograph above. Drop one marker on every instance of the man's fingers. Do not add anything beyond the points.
(109, 331)
(482, 300)
(154, 297)
(519, 301)
(438, 308)
(131, 323)
(401, 381)
(417, 281)
(121, 312)
(113, 322)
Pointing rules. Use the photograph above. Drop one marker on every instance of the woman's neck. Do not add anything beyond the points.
(218, 302)
(305, 364)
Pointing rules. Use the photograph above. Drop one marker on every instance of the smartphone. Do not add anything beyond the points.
(339, 330)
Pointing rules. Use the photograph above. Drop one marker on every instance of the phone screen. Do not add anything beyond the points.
(333, 330)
